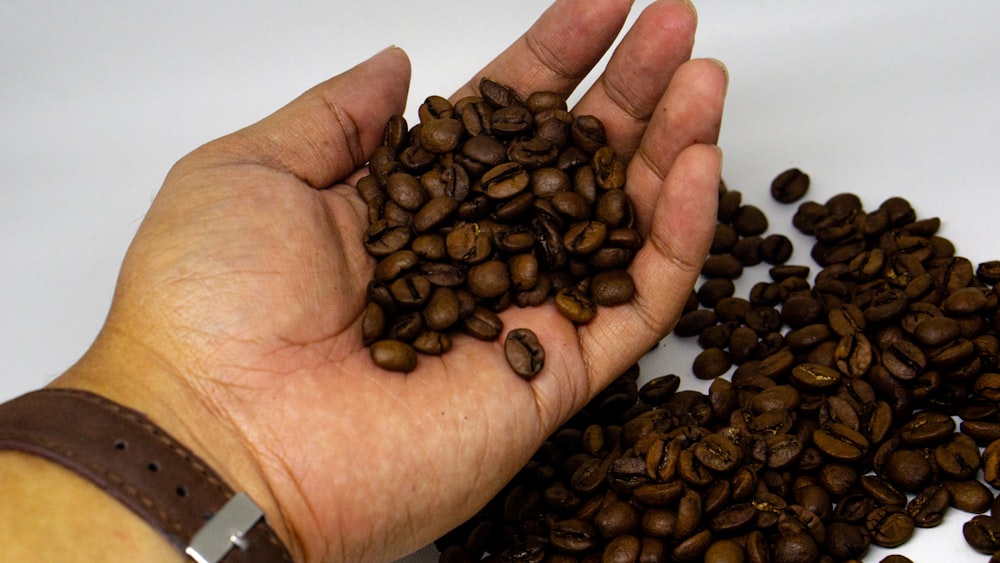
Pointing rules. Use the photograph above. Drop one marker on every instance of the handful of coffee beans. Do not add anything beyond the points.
(864, 405)
(491, 202)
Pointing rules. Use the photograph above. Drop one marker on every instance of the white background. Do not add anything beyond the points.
(97, 100)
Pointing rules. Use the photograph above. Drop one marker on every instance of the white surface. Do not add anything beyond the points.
(98, 100)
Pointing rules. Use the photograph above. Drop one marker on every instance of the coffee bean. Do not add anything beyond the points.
(393, 355)
(524, 353)
(790, 186)
(612, 287)
(889, 526)
(982, 533)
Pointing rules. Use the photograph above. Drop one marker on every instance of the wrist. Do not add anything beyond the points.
(133, 376)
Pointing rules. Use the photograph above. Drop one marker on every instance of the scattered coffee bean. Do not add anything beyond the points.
(835, 431)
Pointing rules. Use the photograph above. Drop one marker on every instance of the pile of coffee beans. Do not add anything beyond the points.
(846, 409)
(485, 203)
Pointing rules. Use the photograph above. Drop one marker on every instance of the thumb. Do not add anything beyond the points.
(329, 131)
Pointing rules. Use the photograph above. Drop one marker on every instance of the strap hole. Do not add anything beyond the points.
(120, 444)
(153, 466)
(182, 492)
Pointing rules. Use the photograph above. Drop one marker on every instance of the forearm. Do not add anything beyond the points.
(49, 513)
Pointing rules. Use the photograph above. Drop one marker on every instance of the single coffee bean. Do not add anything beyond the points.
(929, 506)
(612, 287)
(969, 496)
(889, 526)
(524, 353)
(749, 220)
(393, 355)
(790, 186)
(982, 533)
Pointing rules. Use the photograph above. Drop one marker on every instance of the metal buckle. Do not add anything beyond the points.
(225, 530)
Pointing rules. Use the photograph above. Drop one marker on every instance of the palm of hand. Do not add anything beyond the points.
(289, 365)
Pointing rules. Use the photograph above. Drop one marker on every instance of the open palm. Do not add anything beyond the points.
(246, 282)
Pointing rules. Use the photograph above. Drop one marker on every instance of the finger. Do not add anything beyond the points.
(638, 72)
(558, 50)
(331, 129)
(665, 268)
(690, 112)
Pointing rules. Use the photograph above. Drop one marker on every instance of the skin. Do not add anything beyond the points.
(235, 323)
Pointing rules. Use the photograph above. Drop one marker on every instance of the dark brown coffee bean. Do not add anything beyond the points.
(612, 287)
(929, 506)
(393, 355)
(574, 305)
(442, 309)
(958, 458)
(718, 453)
(381, 239)
(373, 323)
(790, 186)
(815, 377)
(881, 491)
(845, 542)
(585, 237)
(483, 324)
(795, 547)
(725, 551)
(904, 360)
(908, 470)
(693, 548)
(711, 363)
(889, 526)
(969, 496)
(714, 290)
(489, 279)
(936, 331)
(982, 533)
(776, 249)
(927, 428)
(749, 220)
(747, 250)
(840, 442)
(412, 290)
(524, 353)
(573, 536)
(469, 243)
(722, 266)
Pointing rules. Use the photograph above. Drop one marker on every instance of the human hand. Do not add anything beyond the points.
(236, 320)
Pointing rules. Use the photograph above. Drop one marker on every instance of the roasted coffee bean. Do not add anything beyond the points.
(488, 279)
(393, 355)
(711, 363)
(483, 324)
(524, 353)
(958, 458)
(840, 442)
(795, 547)
(927, 428)
(908, 470)
(749, 220)
(982, 533)
(612, 287)
(969, 496)
(889, 526)
(929, 506)
(776, 249)
(790, 186)
(725, 551)
(574, 305)
(845, 541)
(722, 266)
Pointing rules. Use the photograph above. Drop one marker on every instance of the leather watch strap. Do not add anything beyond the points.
(124, 453)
